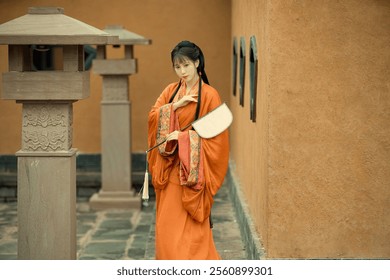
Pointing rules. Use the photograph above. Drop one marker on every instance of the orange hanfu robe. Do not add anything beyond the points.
(186, 174)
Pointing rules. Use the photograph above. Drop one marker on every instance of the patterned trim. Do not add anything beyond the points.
(191, 164)
(166, 124)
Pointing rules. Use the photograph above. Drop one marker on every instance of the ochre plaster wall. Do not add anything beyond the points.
(249, 140)
(166, 23)
(325, 191)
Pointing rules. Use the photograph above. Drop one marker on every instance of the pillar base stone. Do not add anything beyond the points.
(115, 200)
(47, 205)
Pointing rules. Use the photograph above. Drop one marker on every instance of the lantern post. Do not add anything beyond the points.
(117, 190)
(47, 161)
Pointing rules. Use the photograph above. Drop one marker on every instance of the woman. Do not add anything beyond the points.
(186, 170)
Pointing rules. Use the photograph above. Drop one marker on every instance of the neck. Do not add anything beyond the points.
(191, 83)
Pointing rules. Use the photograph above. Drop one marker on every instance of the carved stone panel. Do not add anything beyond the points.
(47, 127)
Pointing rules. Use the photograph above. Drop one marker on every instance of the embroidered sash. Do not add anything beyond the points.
(191, 164)
(167, 123)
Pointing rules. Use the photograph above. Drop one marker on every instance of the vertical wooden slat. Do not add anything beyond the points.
(71, 58)
(15, 58)
(129, 51)
(101, 52)
(81, 57)
(19, 58)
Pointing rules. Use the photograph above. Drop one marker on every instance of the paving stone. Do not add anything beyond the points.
(232, 255)
(83, 228)
(115, 224)
(122, 214)
(223, 231)
(221, 218)
(102, 256)
(127, 234)
(8, 257)
(86, 217)
(143, 228)
(111, 234)
(140, 241)
(89, 257)
(146, 219)
(105, 248)
(136, 253)
(9, 247)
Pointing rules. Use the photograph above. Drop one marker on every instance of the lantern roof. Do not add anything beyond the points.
(126, 37)
(49, 26)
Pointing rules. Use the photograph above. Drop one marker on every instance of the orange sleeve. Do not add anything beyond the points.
(159, 166)
(215, 153)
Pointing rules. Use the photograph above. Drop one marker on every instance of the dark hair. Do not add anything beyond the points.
(187, 49)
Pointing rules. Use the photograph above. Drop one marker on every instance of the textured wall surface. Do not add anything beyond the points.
(324, 192)
(329, 168)
(166, 23)
(249, 141)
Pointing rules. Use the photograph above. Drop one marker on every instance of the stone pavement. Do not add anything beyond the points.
(127, 234)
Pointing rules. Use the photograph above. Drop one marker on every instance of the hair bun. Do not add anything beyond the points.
(187, 44)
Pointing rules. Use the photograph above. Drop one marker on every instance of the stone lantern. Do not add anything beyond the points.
(47, 161)
(117, 191)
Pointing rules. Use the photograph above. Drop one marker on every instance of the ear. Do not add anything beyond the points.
(197, 63)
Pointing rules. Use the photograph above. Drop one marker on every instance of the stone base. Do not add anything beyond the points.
(115, 200)
(47, 205)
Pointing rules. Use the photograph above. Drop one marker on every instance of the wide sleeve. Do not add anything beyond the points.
(159, 166)
(215, 160)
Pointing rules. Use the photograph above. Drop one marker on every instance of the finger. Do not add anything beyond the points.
(172, 135)
(192, 96)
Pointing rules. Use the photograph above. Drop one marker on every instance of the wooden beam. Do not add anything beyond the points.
(45, 85)
(115, 67)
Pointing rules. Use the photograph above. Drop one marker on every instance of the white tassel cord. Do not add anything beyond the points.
(145, 188)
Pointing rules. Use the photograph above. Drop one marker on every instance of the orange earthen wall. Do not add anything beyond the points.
(249, 140)
(316, 171)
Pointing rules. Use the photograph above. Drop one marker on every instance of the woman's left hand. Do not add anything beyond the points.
(173, 135)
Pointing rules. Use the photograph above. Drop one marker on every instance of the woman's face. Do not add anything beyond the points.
(186, 69)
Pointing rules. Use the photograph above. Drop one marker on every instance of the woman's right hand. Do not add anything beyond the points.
(184, 101)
